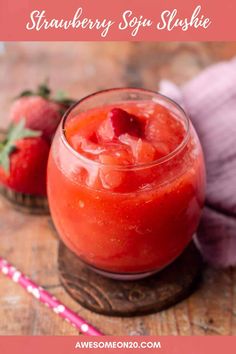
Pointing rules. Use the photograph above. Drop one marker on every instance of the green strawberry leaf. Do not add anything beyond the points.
(66, 102)
(4, 157)
(4, 161)
(61, 97)
(43, 91)
(18, 131)
(15, 132)
(25, 93)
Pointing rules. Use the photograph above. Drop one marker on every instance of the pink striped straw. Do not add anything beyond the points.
(47, 299)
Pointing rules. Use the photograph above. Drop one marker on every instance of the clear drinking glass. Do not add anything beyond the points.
(130, 233)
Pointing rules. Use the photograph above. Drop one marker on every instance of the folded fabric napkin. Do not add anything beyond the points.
(210, 101)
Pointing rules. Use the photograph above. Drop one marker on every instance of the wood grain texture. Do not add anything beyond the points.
(28, 241)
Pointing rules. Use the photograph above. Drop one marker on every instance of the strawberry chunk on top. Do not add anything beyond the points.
(142, 150)
(164, 132)
(119, 122)
(126, 134)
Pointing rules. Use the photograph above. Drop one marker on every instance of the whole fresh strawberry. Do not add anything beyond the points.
(40, 111)
(23, 160)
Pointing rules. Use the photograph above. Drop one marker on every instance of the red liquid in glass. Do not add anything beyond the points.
(126, 202)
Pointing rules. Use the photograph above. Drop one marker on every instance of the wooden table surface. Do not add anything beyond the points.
(28, 241)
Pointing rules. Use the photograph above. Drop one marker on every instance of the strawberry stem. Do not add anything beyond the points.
(42, 91)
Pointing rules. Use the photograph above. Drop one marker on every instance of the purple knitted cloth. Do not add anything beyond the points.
(210, 101)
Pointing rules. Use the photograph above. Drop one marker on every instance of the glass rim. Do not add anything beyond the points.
(156, 162)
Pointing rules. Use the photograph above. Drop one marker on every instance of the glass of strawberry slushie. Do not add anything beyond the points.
(126, 181)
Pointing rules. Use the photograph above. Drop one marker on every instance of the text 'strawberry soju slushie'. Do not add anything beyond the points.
(126, 181)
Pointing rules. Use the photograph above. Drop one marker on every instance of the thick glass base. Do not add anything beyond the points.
(132, 276)
(127, 275)
(123, 276)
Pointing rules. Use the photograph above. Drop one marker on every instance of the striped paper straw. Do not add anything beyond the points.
(47, 299)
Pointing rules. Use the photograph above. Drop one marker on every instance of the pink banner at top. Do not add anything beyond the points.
(104, 20)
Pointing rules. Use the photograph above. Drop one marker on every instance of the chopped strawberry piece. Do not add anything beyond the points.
(123, 122)
(119, 122)
(164, 133)
(93, 138)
